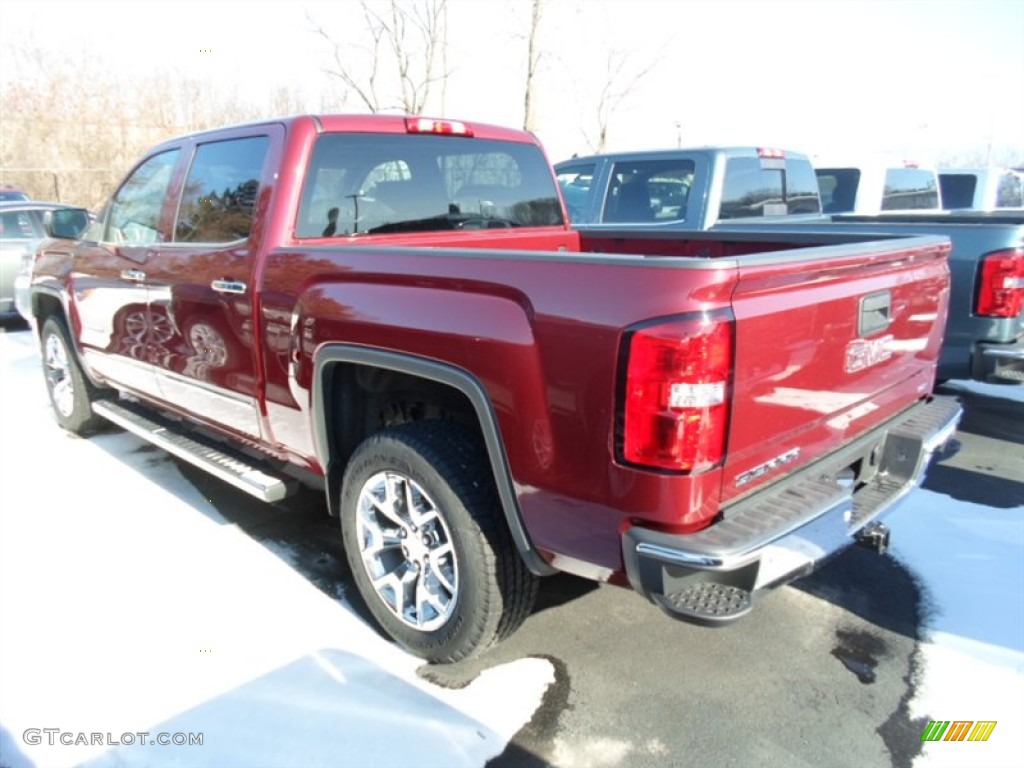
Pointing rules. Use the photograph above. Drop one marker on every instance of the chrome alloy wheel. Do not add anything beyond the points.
(406, 549)
(58, 375)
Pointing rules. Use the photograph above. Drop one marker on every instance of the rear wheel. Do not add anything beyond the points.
(71, 393)
(428, 544)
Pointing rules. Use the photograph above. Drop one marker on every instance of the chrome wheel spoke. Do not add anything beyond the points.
(442, 570)
(58, 375)
(64, 396)
(381, 542)
(424, 598)
(389, 506)
(406, 550)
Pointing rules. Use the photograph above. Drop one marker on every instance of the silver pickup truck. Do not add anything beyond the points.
(688, 189)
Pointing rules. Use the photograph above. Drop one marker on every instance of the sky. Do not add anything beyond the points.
(148, 632)
(922, 78)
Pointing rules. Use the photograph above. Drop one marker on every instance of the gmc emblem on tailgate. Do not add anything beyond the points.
(864, 353)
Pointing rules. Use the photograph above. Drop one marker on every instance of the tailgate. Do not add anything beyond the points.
(829, 344)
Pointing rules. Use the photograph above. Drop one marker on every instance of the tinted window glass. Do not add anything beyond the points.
(957, 189)
(648, 190)
(19, 225)
(838, 187)
(801, 188)
(751, 190)
(576, 182)
(1010, 192)
(135, 209)
(220, 191)
(909, 189)
(361, 184)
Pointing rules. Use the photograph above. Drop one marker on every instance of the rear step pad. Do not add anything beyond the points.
(707, 603)
(228, 468)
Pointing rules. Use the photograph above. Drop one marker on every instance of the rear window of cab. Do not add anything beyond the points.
(367, 184)
(759, 187)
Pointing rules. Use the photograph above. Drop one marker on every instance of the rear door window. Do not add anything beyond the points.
(220, 191)
(648, 190)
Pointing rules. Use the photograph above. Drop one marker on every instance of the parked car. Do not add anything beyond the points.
(876, 185)
(21, 230)
(12, 194)
(981, 189)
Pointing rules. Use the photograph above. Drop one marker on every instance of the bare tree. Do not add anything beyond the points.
(621, 80)
(397, 62)
(532, 63)
(72, 127)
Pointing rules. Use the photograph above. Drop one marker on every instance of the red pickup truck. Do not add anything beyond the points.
(395, 310)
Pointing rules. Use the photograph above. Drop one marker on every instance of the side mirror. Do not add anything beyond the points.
(66, 223)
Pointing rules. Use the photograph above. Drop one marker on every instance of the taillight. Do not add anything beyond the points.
(1001, 287)
(676, 393)
(444, 127)
(771, 154)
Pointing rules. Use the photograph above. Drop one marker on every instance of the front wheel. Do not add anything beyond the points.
(428, 544)
(71, 393)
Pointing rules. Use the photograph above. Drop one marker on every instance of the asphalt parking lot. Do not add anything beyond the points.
(821, 674)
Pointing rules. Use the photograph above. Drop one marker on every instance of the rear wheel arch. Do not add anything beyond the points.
(451, 394)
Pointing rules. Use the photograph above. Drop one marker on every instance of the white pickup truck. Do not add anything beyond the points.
(876, 185)
(982, 189)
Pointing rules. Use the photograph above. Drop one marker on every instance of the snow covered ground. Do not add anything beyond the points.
(969, 560)
(128, 605)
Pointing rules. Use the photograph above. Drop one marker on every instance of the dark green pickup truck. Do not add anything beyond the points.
(985, 327)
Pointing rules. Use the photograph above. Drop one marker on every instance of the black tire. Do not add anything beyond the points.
(484, 593)
(71, 392)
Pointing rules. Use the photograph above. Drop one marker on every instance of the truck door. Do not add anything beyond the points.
(119, 336)
(203, 282)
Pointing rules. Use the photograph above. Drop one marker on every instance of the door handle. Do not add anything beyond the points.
(133, 275)
(228, 286)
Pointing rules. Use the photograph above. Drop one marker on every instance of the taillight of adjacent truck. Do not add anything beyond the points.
(675, 392)
(1001, 284)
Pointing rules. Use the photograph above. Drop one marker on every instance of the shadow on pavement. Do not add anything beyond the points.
(875, 587)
